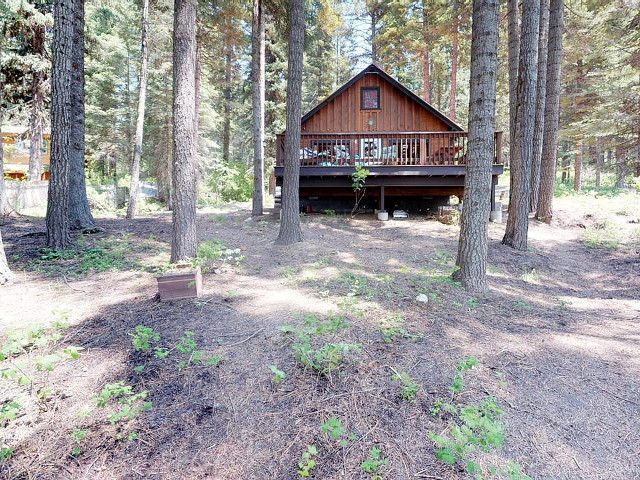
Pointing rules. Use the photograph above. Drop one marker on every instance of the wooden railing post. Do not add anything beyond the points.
(423, 150)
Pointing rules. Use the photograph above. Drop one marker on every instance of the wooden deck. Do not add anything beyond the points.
(383, 149)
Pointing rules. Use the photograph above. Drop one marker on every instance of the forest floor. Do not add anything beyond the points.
(557, 343)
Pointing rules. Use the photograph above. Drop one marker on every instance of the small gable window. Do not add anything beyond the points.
(369, 98)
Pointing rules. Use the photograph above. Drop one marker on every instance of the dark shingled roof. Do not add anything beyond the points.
(374, 69)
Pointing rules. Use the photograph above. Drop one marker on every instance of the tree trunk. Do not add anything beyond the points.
(290, 231)
(226, 133)
(57, 219)
(577, 168)
(518, 219)
(425, 50)
(196, 117)
(599, 164)
(454, 62)
(163, 168)
(6, 275)
(258, 95)
(79, 211)
(142, 100)
(544, 210)
(540, 99)
(637, 163)
(183, 235)
(37, 108)
(621, 170)
(514, 50)
(4, 205)
(577, 164)
(472, 247)
(374, 47)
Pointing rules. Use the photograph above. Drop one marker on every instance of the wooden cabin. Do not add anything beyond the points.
(416, 156)
(16, 147)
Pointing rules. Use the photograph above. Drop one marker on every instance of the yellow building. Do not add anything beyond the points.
(16, 147)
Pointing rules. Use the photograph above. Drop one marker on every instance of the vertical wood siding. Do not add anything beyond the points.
(397, 112)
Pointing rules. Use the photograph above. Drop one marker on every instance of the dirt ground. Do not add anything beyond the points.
(556, 338)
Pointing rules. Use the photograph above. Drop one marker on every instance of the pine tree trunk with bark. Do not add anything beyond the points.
(183, 234)
(258, 96)
(37, 108)
(4, 205)
(226, 128)
(544, 209)
(577, 164)
(290, 231)
(134, 187)
(513, 19)
(454, 61)
(540, 99)
(79, 211)
(425, 51)
(621, 164)
(57, 219)
(6, 275)
(518, 214)
(472, 246)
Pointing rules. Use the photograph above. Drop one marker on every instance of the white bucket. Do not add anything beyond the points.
(384, 216)
(496, 216)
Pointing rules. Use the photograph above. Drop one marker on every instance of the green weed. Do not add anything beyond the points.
(471, 428)
(521, 305)
(408, 388)
(131, 404)
(278, 375)
(78, 436)
(374, 463)
(9, 411)
(214, 253)
(333, 427)
(288, 272)
(307, 462)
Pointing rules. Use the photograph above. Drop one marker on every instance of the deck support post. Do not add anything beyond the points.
(381, 203)
(494, 182)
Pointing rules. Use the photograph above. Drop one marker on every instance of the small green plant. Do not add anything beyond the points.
(5, 452)
(278, 375)
(187, 345)
(143, 337)
(213, 253)
(602, 235)
(333, 427)
(324, 359)
(530, 277)
(288, 272)
(471, 428)
(130, 404)
(78, 436)
(408, 388)
(374, 463)
(358, 180)
(327, 357)
(32, 336)
(329, 212)
(562, 304)
(521, 305)
(307, 462)
(464, 364)
(358, 285)
(9, 411)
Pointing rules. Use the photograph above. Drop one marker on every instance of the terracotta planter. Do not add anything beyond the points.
(181, 284)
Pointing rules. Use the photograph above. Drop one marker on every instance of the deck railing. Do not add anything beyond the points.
(384, 149)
